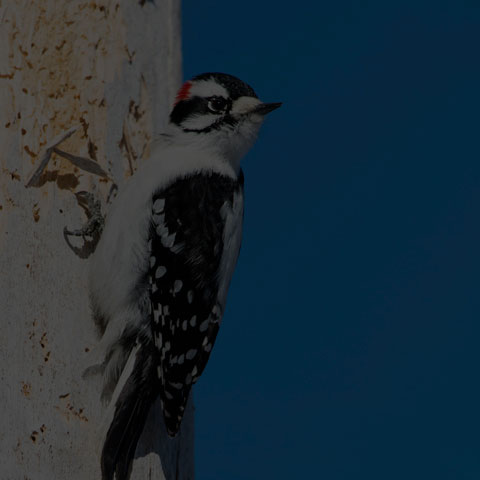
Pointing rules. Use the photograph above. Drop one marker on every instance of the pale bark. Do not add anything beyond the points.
(111, 67)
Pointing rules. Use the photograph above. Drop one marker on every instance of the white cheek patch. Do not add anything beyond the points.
(199, 122)
(244, 105)
(207, 88)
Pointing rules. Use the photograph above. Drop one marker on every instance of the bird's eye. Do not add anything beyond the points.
(217, 104)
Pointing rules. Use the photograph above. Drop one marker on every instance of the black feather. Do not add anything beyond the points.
(131, 410)
(192, 213)
(186, 318)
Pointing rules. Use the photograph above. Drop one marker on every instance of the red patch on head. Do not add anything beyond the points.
(184, 92)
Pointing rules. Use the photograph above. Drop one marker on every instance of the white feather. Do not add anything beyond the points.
(122, 253)
(207, 88)
(232, 238)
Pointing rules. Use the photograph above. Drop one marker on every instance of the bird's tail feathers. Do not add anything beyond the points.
(136, 391)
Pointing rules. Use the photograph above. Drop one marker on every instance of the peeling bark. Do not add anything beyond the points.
(109, 68)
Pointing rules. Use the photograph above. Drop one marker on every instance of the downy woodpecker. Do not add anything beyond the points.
(162, 268)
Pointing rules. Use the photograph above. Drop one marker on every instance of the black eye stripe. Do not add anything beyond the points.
(195, 106)
(217, 104)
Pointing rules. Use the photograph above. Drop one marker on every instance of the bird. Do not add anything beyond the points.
(160, 273)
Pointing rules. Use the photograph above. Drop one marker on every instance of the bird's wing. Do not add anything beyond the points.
(194, 243)
(194, 239)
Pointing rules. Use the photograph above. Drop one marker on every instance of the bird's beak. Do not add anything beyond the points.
(264, 108)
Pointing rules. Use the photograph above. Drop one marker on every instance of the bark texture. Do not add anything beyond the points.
(111, 69)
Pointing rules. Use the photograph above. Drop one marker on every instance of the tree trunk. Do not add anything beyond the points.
(109, 68)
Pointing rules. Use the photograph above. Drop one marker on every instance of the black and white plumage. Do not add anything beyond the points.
(186, 271)
(161, 271)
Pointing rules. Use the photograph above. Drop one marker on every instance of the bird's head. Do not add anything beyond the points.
(218, 111)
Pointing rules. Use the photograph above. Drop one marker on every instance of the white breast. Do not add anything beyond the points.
(122, 256)
(232, 239)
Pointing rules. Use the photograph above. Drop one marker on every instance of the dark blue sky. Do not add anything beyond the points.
(349, 348)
